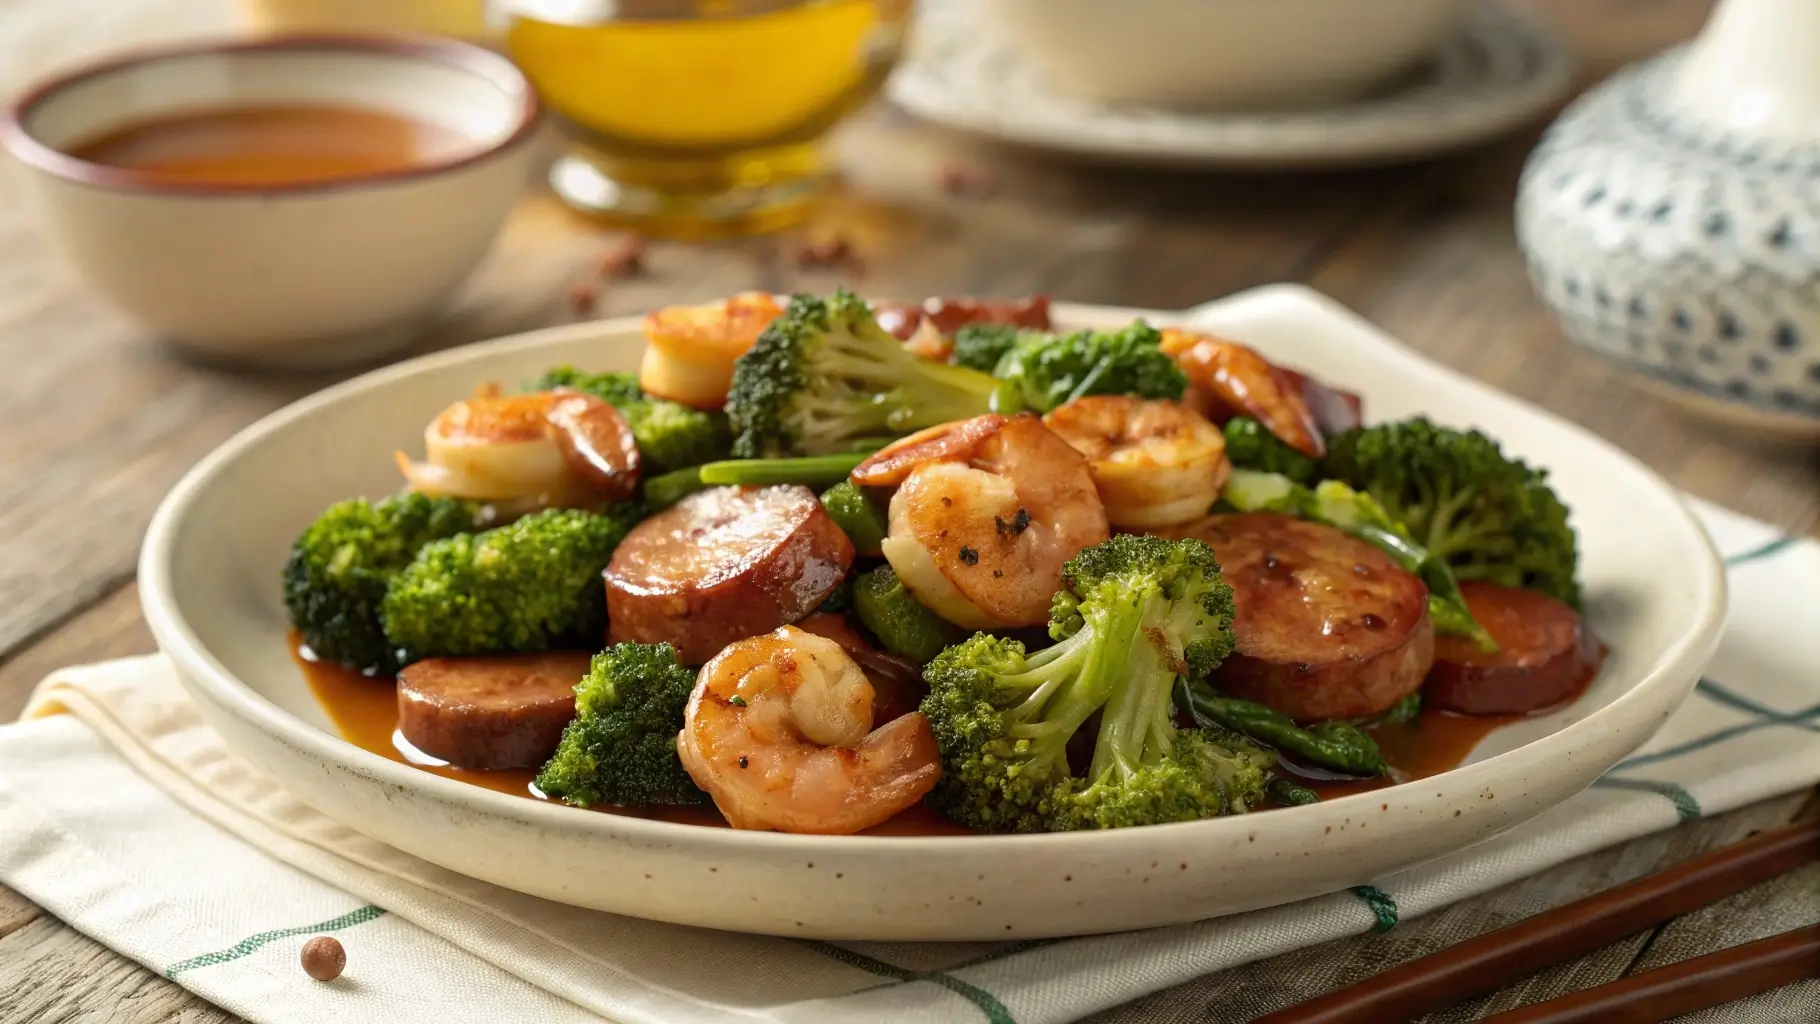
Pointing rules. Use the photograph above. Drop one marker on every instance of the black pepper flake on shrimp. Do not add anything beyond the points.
(955, 484)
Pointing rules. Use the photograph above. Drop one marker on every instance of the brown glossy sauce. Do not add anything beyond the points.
(275, 145)
(1436, 742)
(365, 711)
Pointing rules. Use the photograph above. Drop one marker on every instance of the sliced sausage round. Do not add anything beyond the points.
(1327, 626)
(505, 711)
(722, 565)
(948, 315)
(1545, 655)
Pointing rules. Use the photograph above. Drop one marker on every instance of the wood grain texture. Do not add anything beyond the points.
(111, 628)
(55, 975)
(1269, 985)
(16, 912)
(100, 420)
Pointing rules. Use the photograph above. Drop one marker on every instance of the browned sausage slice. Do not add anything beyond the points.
(722, 565)
(596, 444)
(1545, 655)
(491, 712)
(948, 315)
(1327, 626)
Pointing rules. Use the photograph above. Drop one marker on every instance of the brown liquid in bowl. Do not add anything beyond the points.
(273, 145)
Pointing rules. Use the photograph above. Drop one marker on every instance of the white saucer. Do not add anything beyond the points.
(1499, 69)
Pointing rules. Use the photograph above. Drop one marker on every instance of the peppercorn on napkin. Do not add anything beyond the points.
(122, 813)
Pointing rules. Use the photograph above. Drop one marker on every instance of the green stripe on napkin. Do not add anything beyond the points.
(988, 1004)
(253, 942)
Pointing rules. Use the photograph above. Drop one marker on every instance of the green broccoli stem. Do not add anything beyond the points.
(1065, 684)
(811, 470)
(1128, 736)
(945, 394)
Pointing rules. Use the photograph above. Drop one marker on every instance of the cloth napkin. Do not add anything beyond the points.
(123, 814)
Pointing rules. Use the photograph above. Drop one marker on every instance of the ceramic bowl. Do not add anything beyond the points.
(1682, 253)
(281, 276)
(209, 582)
(1222, 54)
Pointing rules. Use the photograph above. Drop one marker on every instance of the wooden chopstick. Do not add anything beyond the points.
(1696, 984)
(1496, 959)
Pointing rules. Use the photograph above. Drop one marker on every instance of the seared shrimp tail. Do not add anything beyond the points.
(1155, 463)
(986, 513)
(779, 731)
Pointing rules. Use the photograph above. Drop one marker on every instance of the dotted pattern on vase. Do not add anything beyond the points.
(1690, 256)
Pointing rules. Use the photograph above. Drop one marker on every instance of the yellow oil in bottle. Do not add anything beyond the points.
(706, 123)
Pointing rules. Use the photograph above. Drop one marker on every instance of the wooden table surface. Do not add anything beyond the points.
(99, 421)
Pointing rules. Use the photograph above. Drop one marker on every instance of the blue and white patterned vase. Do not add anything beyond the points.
(1671, 218)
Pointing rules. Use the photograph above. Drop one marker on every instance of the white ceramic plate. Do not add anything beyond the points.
(209, 580)
(1497, 70)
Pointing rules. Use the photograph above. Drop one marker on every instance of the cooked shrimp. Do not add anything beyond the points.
(691, 349)
(1227, 374)
(1155, 463)
(986, 513)
(557, 447)
(779, 731)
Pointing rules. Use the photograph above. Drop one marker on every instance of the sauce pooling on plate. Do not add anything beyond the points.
(273, 145)
(364, 710)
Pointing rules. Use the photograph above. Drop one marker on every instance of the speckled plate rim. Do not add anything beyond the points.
(1366, 132)
(1634, 713)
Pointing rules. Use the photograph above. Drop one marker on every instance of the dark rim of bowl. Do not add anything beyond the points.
(476, 60)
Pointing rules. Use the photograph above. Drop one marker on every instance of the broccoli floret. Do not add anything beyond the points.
(1205, 773)
(342, 563)
(527, 586)
(1358, 514)
(1250, 445)
(620, 748)
(1144, 611)
(669, 435)
(981, 346)
(857, 517)
(615, 389)
(1048, 370)
(1490, 516)
(900, 623)
(825, 375)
